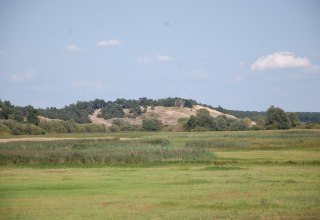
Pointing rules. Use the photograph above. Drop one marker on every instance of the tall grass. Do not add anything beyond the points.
(99, 152)
(216, 143)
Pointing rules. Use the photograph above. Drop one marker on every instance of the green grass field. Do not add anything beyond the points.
(210, 175)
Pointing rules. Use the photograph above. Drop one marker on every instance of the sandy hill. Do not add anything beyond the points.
(168, 115)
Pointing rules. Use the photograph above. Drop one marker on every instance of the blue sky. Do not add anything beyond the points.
(245, 55)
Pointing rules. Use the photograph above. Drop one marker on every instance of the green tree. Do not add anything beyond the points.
(33, 118)
(261, 121)
(238, 125)
(276, 118)
(201, 119)
(293, 119)
(221, 123)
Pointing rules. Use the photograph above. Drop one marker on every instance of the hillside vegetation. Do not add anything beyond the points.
(169, 114)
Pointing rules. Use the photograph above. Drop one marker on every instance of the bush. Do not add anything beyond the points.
(151, 124)
(221, 123)
(238, 125)
(22, 129)
(95, 128)
(199, 129)
(10, 123)
(4, 129)
(114, 128)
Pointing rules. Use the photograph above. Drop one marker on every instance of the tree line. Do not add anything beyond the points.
(74, 118)
(307, 117)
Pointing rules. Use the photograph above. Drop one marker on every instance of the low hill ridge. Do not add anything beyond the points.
(167, 115)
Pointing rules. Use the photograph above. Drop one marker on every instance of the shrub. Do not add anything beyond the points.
(151, 124)
(114, 128)
(238, 125)
(4, 129)
(199, 129)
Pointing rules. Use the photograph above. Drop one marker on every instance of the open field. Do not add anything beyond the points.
(211, 175)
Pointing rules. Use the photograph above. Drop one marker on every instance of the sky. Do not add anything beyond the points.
(241, 55)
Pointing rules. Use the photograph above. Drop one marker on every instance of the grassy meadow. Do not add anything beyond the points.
(141, 175)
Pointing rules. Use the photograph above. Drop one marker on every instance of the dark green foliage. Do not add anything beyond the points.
(17, 116)
(254, 115)
(293, 119)
(308, 116)
(33, 118)
(112, 110)
(135, 110)
(204, 119)
(77, 112)
(191, 123)
(151, 124)
(98, 103)
(238, 125)
(6, 109)
(221, 123)
(201, 120)
(276, 118)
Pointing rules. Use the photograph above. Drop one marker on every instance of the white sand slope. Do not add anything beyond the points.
(167, 115)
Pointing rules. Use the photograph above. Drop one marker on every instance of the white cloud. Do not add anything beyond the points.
(144, 59)
(92, 85)
(109, 43)
(164, 58)
(74, 48)
(24, 77)
(280, 60)
(2, 52)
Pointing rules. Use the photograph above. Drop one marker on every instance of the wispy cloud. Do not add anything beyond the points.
(312, 69)
(88, 85)
(27, 76)
(164, 57)
(2, 52)
(75, 48)
(280, 60)
(109, 43)
(144, 59)
(72, 47)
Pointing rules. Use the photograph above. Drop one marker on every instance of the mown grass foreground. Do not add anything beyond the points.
(212, 175)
